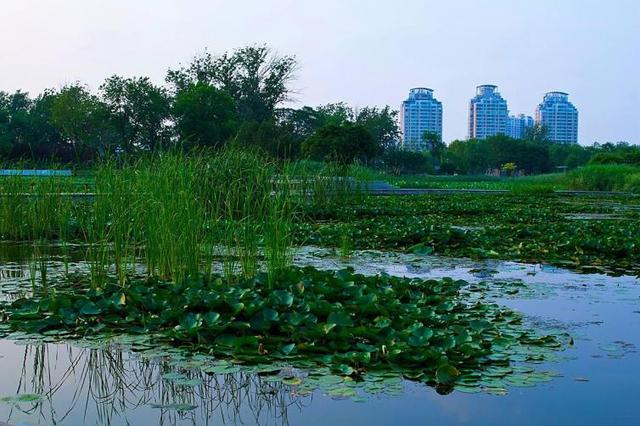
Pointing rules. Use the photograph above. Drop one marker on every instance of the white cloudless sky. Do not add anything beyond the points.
(358, 51)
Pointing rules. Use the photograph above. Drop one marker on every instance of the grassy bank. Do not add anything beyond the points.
(605, 177)
(596, 177)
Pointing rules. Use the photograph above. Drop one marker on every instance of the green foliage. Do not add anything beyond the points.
(568, 155)
(632, 183)
(273, 138)
(138, 111)
(26, 130)
(434, 144)
(381, 123)
(530, 227)
(205, 116)
(477, 156)
(351, 323)
(509, 168)
(346, 143)
(398, 162)
(537, 133)
(549, 182)
(601, 177)
(253, 76)
(631, 157)
(36, 208)
(81, 119)
(337, 114)
(176, 211)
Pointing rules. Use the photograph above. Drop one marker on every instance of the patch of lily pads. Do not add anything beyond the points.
(526, 228)
(345, 334)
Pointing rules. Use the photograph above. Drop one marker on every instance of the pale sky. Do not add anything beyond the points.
(363, 52)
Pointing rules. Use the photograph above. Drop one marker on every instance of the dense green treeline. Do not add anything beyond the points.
(234, 98)
(237, 98)
(532, 157)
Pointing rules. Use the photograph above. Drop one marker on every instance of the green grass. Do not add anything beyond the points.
(548, 182)
(178, 212)
(182, 214)
(605, 177)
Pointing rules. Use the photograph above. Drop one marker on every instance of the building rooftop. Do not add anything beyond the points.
(420, 93)
(486, 89)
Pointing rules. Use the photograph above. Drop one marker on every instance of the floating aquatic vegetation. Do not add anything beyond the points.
(25, 398)
(515, 227)
(356, 326)
(617, 349)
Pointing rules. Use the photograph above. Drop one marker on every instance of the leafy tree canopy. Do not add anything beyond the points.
(204, 116)
(345, 143)
(138, 111)
(255, 77)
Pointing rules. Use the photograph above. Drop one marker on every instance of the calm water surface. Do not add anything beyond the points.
(599, 375)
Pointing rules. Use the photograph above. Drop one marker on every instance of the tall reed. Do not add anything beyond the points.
(178, 212)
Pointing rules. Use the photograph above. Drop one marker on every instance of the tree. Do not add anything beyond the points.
(476, 156)
(14, 120)
(256, 78)
(26, 131)
(336, 113)
(400, 161)
(382, 123)
(346, 143)
(569, 155)
(82, 121)
(43, 140)
(204, 116)
(509, 168)
(138, 110)
(276, 139)
(300, 122)
(434, 144)
(538, 133)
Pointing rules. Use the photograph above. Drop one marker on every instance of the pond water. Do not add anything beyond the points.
(597, 377)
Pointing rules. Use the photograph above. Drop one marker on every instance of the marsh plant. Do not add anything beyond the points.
(35, 207)
(326, 185)
(176, 212)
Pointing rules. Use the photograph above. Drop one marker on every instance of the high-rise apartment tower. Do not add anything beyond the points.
(421, 112)
(488, 113)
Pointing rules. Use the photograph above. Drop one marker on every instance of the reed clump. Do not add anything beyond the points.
(175, 213)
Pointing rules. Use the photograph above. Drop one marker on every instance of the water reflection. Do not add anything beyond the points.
(111, 386)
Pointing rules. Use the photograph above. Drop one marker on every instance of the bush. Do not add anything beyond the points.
(601, 177)
(346, 143)
(632, 183)
(399, 162)
(629, 157)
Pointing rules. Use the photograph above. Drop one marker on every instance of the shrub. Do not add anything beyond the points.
(630, 157)
(601, 177)
(399, 161)
(632, 183)
(346, 143)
